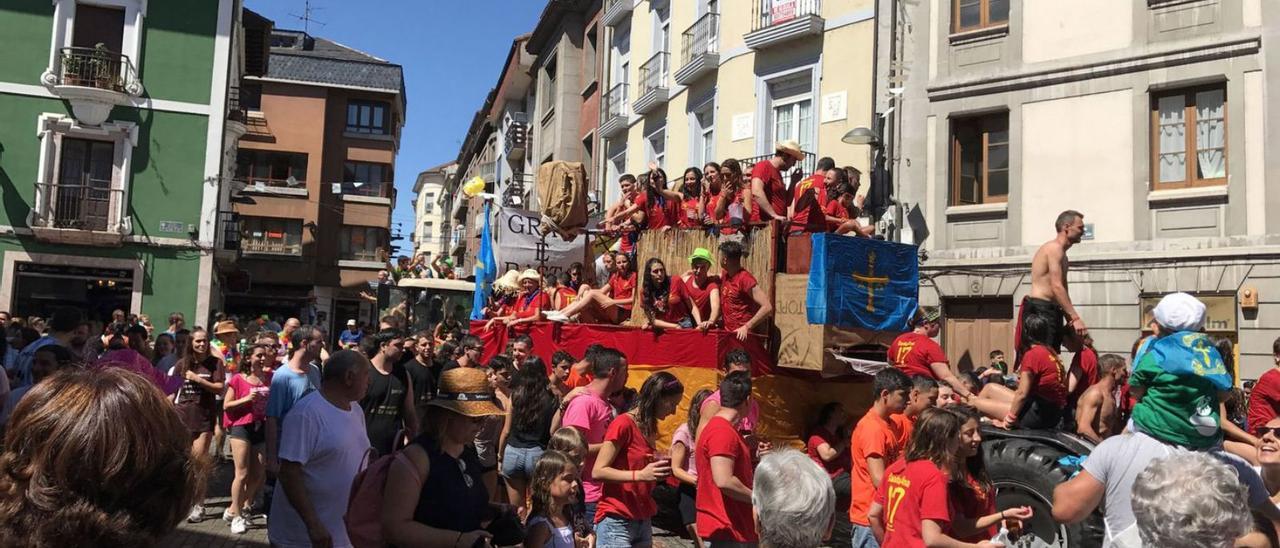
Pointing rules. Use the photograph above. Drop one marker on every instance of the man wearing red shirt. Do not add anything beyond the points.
(916, 353)
(875, 444)
(745, 305)
(704, 289)
(725, 471)
(808, 197)
(1264, 401)
(529, 304)
(767, 189)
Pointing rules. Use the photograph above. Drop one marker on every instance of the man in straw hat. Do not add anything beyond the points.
(767, 188)
(226, 343)
(530, 303)
(442, 457)
(321, 448)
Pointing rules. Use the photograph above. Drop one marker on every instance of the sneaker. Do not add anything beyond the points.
(555, 316)
(226, 515)
(196, 515)
(239, 525)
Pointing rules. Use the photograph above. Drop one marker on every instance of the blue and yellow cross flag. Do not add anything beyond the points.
(862, 283)
(486, 269)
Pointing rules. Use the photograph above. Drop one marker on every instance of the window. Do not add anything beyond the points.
(98, 25)
(1189, 138)
(251, 95)
(427, 231)
(589, 56)
(790, 111)
(430, 204)
(369, 117)
(657, 146)
(980, 159)
(362, 243)
(704, 145)
(970, 15)
(270, 168)
(620, 57)
(366, 179)
(549, 84)
(270, 236)
(83, 193)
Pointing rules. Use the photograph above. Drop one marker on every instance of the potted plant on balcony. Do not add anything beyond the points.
(98, 68)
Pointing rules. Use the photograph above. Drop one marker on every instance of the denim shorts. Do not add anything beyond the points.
(613, 532)
(518, 462)
(863, 537)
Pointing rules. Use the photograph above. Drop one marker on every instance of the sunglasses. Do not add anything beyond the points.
(1273, 430)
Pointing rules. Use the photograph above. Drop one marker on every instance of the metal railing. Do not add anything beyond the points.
(702, 37)
(372, 190)
(78, 207)
(252, 182)
(805, 167)
(653, 73)
(95, 68)
(269, 246)
(235, 111)
(374, 255)
(766, 13)
(615, 102)
(517, 132)
(229, 223)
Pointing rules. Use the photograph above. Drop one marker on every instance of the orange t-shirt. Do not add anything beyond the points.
(577, 381)
(872, 437)
(907, 424)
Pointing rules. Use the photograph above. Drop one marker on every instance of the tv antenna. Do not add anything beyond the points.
(306, 17)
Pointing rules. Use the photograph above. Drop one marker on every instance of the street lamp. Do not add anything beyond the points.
(861, 136)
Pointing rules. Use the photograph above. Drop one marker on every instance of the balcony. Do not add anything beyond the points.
(256, 245)
(616, 11)
(93, 80)
(775, 22)
(700, 49)
(616, 113)
(516, 190)
(266, 185)
(652, 90)
(803, 168)
(516, 136)
(226, 250)
(374, 193)
(79, 214)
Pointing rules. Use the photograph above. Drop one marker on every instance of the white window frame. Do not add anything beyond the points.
(52, 127)
(766, 103)
(614, 166)
(651, 153)
(619, 60)
(699, 132)
(661, 40)
(64, 15)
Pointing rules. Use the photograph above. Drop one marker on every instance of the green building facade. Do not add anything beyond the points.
(113, 140)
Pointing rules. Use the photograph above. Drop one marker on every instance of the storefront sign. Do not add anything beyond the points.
(522, 245)
(1220, 311)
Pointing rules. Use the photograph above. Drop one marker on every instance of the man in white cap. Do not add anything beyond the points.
(352, 336)
(767, 188)
(1177, 381)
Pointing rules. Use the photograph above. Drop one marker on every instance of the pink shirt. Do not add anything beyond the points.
(747, 422)
(254, 411)
(682, 435)
(591, 415)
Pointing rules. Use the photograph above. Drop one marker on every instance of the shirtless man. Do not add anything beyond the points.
(1097, 415)
(1048, 296)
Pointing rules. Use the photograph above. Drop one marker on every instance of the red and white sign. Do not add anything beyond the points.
(782, 11)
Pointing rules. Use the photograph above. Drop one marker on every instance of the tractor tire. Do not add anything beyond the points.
(1024, 474)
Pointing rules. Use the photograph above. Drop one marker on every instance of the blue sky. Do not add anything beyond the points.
(451, 53)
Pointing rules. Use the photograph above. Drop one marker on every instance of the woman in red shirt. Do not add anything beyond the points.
(628, 465)
(842, 211)
(910, 507)
(828, 445)
(611, 303)
(666, 301)
(732, 211)
(972, 497)
(530, 303)
(693, 201)
(1041, 395)
(710, 190)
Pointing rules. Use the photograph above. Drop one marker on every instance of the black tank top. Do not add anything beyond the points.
(452, 499)
(383, 407)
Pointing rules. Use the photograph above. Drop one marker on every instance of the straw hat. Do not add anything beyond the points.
(509, 281)
(466, 391)
(531, 274)
(225, 327)
(790, 148)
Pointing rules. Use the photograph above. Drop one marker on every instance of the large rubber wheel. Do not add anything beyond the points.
(1024, 474)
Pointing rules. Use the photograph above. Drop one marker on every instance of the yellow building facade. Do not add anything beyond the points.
(691, 81)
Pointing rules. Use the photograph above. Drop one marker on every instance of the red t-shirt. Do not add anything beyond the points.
(677, 301)
(528, 306)
(690, 213)
(721, 518)
(872, 437)
(656, 212)
(835, 209)
(775, 192)
(971, 500)
(702, 295)
(913, 353)
(736, 304)
(567, 295)
(1264, 401)
(735, 201)
(837, 465)
(810, 194)
(911, 493)
(627, 500)
(1049, 372)
(1086, 360)
(623, 288)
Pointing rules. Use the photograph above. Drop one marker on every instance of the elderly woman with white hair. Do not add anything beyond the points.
(793, 500)
(1190, 500)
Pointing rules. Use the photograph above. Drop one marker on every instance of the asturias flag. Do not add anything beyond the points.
(857, 282)
(486, 268)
